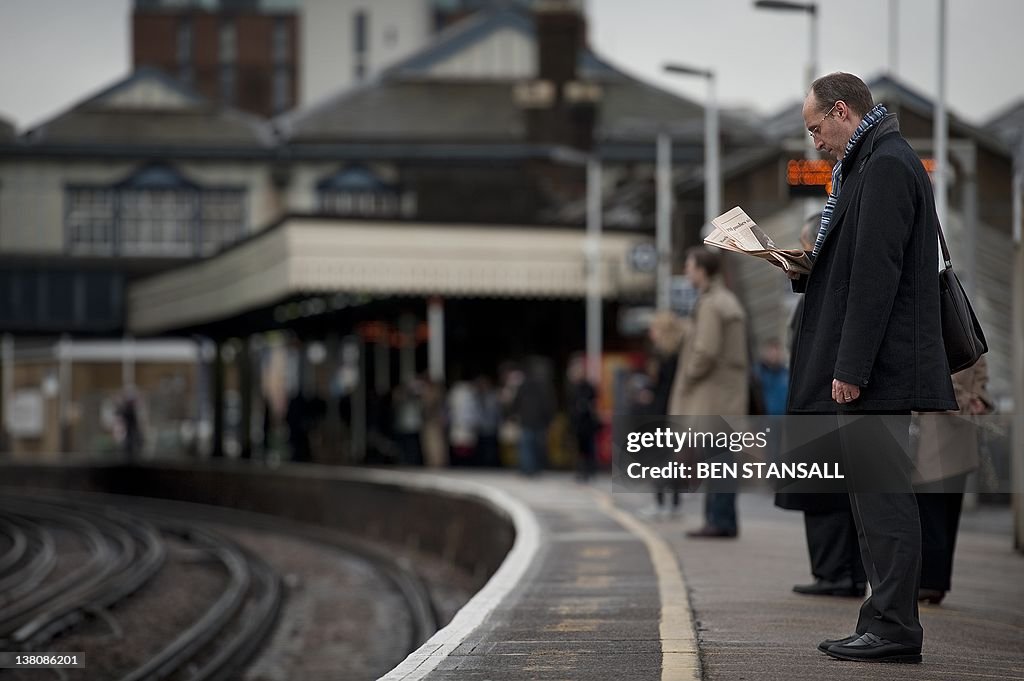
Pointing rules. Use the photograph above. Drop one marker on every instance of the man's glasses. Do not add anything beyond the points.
(814, 130)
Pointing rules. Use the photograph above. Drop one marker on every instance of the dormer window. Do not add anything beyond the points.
(356, 191)
(155, 212)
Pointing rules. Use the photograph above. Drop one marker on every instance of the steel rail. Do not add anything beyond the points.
(34, 569)
(19, 544)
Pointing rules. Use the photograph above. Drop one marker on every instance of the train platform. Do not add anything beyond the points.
(592, 590)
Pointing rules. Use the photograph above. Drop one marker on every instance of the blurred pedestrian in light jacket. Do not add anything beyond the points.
(711, 378)
(463, 421)
(947, 450)
(432, 437)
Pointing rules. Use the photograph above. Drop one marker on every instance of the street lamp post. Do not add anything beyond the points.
(712, 172)
(894, 37)
(811, 9)
(594, 319)
(663, 226)
(594, 267)
(939, 128)
(1017, 342)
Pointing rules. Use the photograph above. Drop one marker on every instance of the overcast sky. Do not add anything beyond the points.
(54, 52)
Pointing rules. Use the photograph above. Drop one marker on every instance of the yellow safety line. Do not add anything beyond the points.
(679, 655)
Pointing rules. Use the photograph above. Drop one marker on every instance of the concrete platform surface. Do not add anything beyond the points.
(612, 595)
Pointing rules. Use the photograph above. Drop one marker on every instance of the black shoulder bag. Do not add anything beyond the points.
(961, 332)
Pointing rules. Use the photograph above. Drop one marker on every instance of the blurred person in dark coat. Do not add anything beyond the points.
(869, 342)
(129, 413)
(947, 451)
(828, 521)
(534, 407)
(489, 421)
(712, 375)
(666, 335)
(407, 412)
(773, 377)
(581, 403)
(299, 418)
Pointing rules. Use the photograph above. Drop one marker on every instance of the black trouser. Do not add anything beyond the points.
(667, 488)
(877, 467)
(940, 521)
(720, 497)
(833, 547)
(586, 450)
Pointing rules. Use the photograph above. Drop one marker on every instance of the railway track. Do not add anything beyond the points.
(118, 545)
(120, 554)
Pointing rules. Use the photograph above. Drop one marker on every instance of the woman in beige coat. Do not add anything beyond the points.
(947, 452)
(711, 377)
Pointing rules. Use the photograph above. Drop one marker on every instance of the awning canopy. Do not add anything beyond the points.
(312, 255)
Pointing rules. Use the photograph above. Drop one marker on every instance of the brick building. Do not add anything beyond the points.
(240, 53)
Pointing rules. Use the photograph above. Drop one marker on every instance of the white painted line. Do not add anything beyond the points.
(424, 659)
(679, 656)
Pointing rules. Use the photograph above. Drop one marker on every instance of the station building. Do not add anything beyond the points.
(428, 220)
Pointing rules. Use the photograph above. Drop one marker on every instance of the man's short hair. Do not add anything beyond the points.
(706, 259)
(845, 86)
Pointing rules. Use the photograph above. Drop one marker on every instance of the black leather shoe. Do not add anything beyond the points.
(933, 596)
(823, 587)
(709, 532)
(872, 648)
(828, 643)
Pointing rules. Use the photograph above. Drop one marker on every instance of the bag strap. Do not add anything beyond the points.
(945, 249)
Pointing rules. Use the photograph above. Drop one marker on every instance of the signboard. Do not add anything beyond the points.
(813, 177)
(24, 414)
(809, 177)
(644, 257)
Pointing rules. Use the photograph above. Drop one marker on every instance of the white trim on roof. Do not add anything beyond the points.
(323, 255)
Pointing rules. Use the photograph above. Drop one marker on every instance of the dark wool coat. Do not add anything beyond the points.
(871, 310)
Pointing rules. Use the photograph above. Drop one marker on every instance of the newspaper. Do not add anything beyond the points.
(736, 231)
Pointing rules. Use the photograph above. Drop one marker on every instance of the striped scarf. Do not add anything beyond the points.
(870, 120)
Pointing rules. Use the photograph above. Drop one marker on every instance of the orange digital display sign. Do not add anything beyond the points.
(809, 176)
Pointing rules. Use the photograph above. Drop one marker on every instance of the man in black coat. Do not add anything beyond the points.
(869, 341)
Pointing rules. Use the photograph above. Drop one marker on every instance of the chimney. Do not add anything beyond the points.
(559, 108)
(561, 33)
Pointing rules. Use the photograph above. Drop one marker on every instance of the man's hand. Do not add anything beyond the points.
(844, 393)
(793, 275)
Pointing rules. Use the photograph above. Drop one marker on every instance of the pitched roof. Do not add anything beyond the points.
(407, 111)
(419, 100)
(6, 130)
(1008, 124)
(146, 109)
